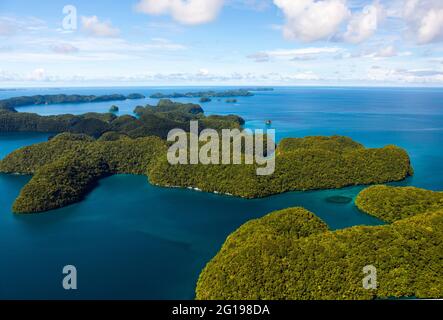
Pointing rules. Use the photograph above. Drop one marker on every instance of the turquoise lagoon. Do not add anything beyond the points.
(131, 240)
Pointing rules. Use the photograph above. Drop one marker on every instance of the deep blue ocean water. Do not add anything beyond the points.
(129, 239)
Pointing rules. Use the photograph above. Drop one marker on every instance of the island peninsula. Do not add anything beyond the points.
(291, 254)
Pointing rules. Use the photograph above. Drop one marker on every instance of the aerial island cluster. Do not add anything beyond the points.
(207, 96)
(289, 254)
(146, 121)
(244, 92)
(11, 103)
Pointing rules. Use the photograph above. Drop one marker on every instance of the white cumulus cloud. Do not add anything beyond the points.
(424, 19)
(11, 25)
(364, 24)
(384, 74)
(95, 27)
(386, 52)
(37, 75)
(189, 12)
(311, 20)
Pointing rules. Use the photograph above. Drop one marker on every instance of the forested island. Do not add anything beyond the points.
(68, 166)
(300, 164)
(11, 103)
(114, 109)
(207, 94)
(205, 99)
(148, 121)
(391, 204)
(259, 89)
(291, 255)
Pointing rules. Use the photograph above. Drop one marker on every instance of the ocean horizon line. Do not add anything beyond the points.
(226, 86)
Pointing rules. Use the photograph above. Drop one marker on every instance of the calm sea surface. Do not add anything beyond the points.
(131, 240)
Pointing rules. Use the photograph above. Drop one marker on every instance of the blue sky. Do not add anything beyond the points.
(221, 42)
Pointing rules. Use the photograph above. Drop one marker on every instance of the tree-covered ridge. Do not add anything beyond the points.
(27, 160)
(150, 121)
(166, 105)
(300, 164)
(394, 203)
(257, 263)
(310, 167)
(68, 167)
(92, 124)
(293, 223)
(207, 94)
(11, 103)
(334, 144)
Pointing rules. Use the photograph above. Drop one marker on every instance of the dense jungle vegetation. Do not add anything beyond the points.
(290, 255)
(308, 163)
(149, 121)
(68, 166)
(300, 164)
(394, 203)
